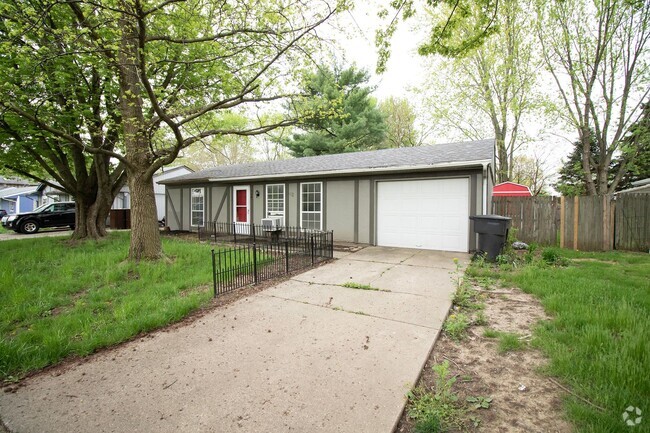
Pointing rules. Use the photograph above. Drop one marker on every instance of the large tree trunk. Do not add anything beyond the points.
(90, 220)
(502, 157)
(145, 235)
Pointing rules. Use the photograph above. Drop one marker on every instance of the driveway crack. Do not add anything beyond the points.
(359, 313)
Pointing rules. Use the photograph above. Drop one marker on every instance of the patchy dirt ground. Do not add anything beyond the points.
(522, 399)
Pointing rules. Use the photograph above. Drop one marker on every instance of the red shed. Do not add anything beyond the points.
(511, 189)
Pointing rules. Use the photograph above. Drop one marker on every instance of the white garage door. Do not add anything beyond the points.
(429, 214)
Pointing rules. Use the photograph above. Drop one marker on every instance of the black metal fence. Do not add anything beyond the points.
(241, 232)
(240, 266)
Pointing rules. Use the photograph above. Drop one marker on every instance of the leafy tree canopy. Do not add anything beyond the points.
(400, 117)
(138, 81)
(337, 114)
(633, 161)
(572, 177)
(596, 53)
(635, 151)
(476, 18)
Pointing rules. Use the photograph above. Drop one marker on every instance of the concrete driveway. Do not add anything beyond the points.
(11, 235)
(306, 355)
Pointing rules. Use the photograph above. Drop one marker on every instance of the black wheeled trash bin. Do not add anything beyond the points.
(492, 231)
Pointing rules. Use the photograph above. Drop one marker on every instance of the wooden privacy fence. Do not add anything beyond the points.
(632, 222)
(536, 219)
(591, 223)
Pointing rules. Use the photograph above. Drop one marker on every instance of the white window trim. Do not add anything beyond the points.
(321, 203)
(284, 198)
(192, 210)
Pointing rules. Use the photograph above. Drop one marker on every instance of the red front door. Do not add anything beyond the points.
(241, 209)
(241, 206)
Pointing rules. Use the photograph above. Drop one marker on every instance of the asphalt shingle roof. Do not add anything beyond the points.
(459, 152)
(16, 191)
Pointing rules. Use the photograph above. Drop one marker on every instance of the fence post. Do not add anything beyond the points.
(612, 223)
(286, 256)
(214, 228)
(312, 250)
(608, 241)
(562, 221)
(576, 214)
(254, 262)
(252, 228)
(234, 232)
(214, 275)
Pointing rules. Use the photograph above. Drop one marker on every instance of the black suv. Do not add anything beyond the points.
(48, 215)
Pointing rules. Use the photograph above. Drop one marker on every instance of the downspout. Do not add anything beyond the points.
(485, 187)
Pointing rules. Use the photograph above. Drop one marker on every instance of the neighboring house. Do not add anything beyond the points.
(52, 195)
(123, 198)
(159, 187)
(511, 189)
(639, 186)
(418, 197)
(6, 183)
(21, 199)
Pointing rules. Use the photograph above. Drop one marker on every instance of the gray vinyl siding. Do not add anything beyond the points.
(173, 208)
(185, 214)
(258, 204)
(219, 204)
(292, 204)
(339, 207)
(364, 215)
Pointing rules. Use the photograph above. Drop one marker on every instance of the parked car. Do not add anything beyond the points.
(3, 213)
(49, 215)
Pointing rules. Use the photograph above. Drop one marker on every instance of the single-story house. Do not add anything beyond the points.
(417, 197)
(511, 189)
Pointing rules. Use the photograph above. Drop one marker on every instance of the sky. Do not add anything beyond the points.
(407, 70)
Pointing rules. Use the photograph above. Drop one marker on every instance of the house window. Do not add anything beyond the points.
(311, 205)
(275, 200)
(197, 205)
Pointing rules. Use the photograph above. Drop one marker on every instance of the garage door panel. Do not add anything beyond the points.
(430, 214)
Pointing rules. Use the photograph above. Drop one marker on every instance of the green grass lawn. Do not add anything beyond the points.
(58, 299)
(598, 339)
